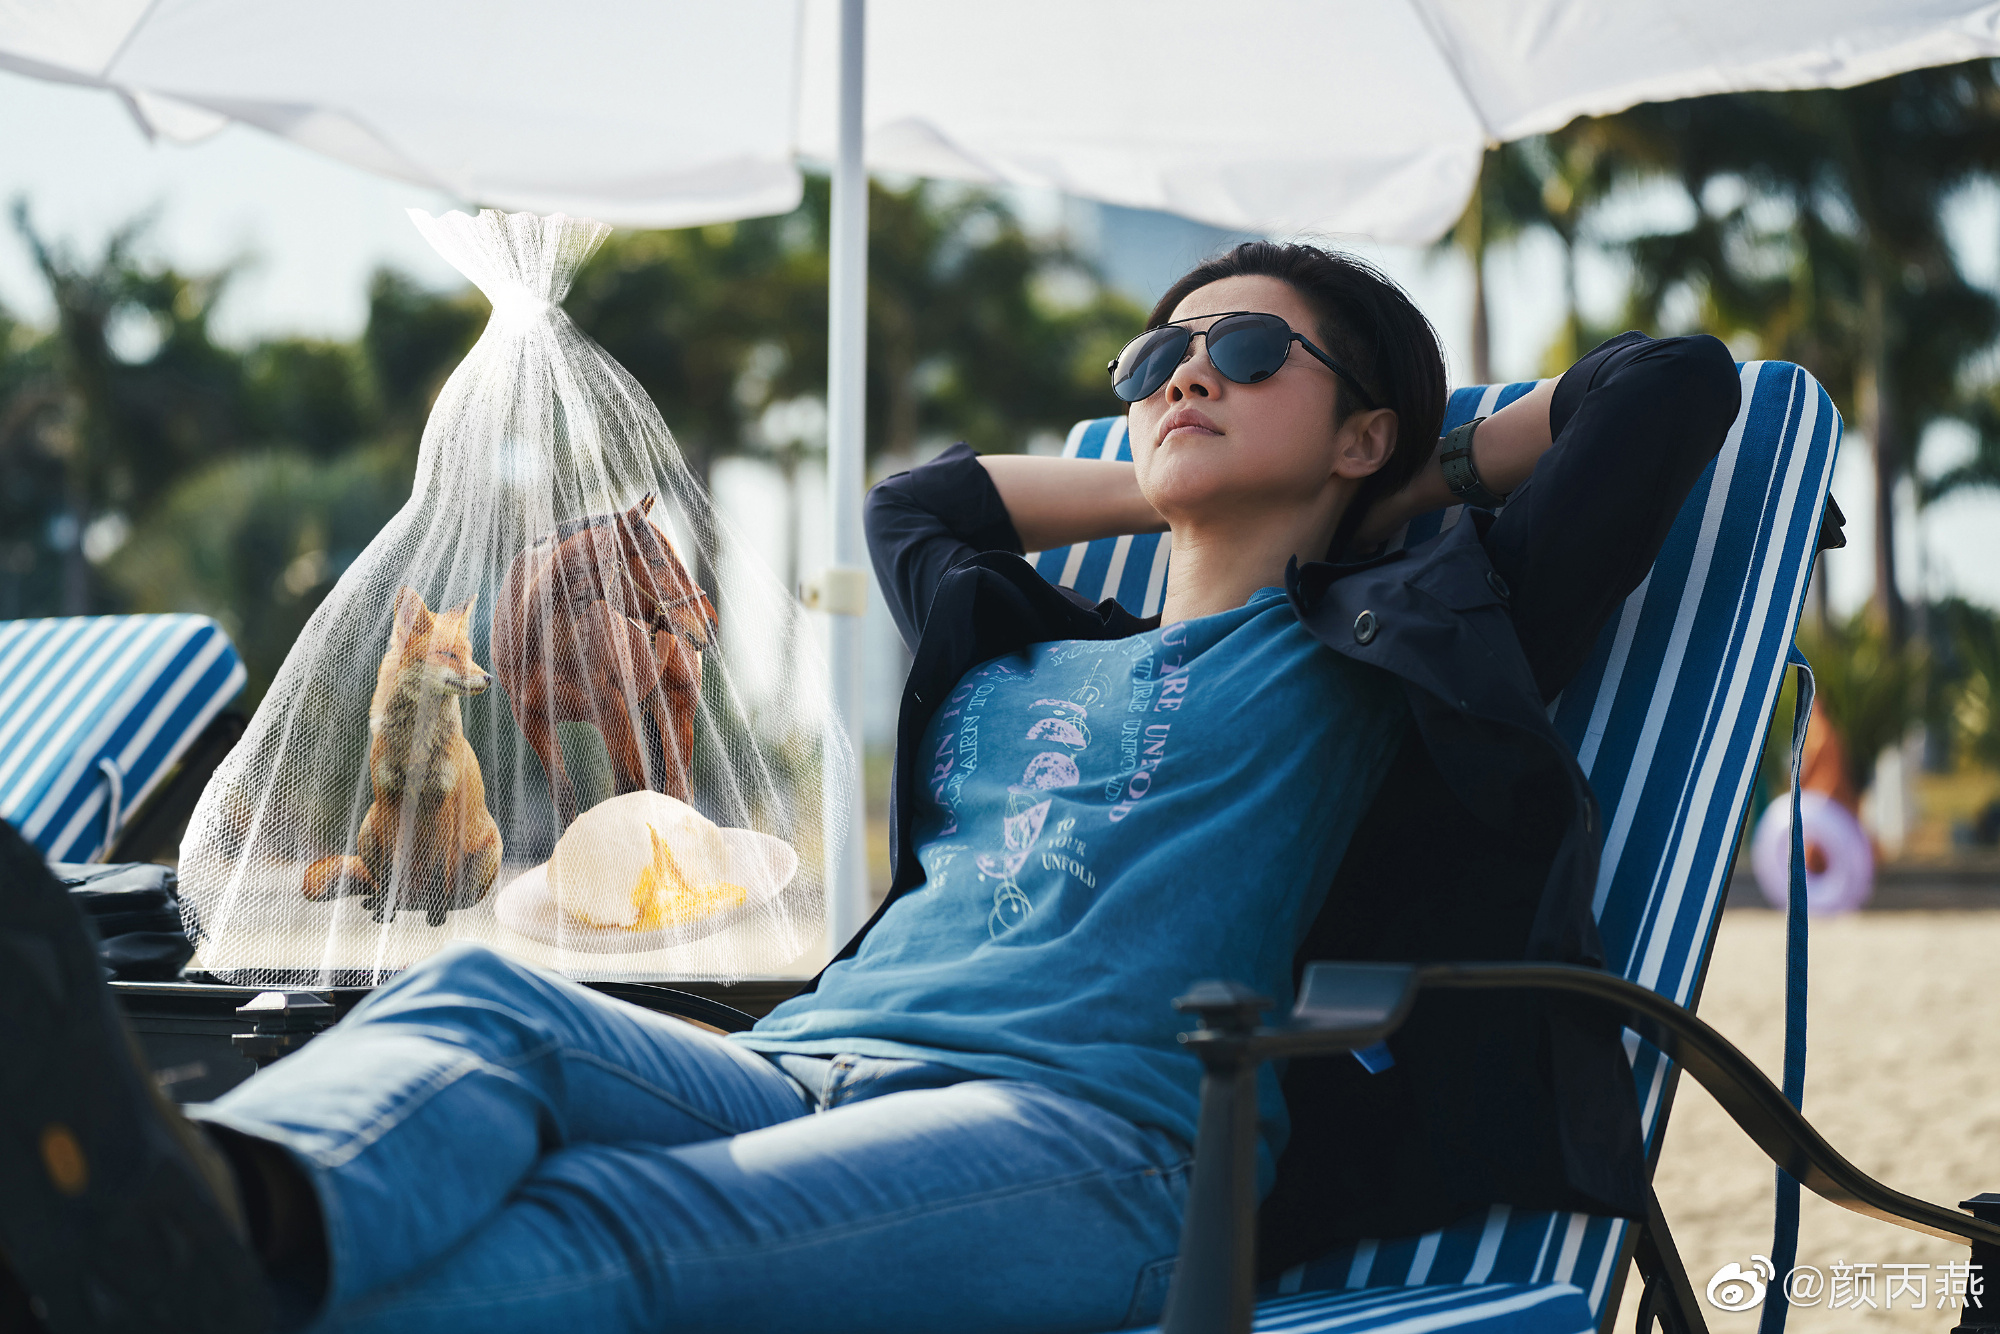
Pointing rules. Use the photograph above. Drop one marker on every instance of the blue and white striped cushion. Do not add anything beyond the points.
(1131, 569)
(1667, 719)
(79, 692)
(1491, 1308)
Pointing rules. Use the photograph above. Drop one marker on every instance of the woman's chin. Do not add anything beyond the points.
(1193, 507)
(1180, 493)
(1193, 477)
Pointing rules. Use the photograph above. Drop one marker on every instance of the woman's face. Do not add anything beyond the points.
(1205, 446)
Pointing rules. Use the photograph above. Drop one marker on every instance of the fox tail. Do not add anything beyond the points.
(331, 877)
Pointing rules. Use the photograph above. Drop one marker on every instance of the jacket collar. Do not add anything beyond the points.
(1306, 584)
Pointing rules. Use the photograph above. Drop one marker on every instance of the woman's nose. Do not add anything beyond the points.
(1195, 377)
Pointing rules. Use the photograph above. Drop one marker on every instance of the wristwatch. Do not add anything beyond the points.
(1460, 475)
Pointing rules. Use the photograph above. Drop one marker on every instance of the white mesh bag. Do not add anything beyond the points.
(552, 706)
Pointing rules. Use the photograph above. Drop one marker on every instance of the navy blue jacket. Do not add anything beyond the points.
(1482, 843)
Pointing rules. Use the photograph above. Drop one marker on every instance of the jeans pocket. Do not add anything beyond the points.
(1149, 1293)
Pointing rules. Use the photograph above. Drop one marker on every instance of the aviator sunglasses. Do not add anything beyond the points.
(1244, 346)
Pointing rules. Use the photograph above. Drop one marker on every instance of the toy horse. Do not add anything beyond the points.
(600, 623)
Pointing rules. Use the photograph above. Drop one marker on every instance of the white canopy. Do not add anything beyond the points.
(1356, 116)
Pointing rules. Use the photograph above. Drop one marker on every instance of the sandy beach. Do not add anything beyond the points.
(1902, 1077)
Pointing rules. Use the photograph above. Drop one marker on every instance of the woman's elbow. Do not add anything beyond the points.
(1682, 393)
(892, 520)
(1700, 373)
(882, 510)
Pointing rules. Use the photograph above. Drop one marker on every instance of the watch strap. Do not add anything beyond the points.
(1461, 476)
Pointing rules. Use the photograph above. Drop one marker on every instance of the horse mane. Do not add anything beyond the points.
(571, 527)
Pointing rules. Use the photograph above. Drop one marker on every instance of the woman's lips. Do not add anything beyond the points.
(1185, 419)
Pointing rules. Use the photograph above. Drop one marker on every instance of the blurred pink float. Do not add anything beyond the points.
(1840, 863)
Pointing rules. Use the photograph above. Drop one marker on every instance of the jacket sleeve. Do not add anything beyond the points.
(1635, 423)
(923, 522)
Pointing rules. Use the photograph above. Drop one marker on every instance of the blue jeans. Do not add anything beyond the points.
(496, 1148)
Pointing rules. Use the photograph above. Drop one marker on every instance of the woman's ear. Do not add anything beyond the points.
(1364, 442)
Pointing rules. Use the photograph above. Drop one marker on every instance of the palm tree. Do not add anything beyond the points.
(75, 401)
(1578, 168)
(123, 422)
(1819, 235)
(1506, 200)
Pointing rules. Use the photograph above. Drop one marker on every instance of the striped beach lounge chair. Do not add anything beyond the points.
(1668, 721)
(95, 713)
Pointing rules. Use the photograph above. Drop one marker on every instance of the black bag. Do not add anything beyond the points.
(136, 911)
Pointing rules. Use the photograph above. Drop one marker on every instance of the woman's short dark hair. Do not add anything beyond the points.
(1369, 325)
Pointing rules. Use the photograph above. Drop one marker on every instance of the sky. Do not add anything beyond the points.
(304, 232)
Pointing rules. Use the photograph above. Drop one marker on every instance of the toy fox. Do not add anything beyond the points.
(427, 835)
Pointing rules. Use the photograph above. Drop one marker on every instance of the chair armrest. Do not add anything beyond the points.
(680, 1004)
(1344, 1006)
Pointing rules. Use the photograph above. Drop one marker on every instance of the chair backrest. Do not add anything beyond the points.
(1667, 720)
(94, 710)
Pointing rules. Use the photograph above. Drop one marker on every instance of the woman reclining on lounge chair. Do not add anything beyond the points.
(977, 1117)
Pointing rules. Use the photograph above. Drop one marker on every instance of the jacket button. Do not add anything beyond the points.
(1498, 585)
(1365, 627)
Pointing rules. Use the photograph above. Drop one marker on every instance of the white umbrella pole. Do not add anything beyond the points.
(845, 590)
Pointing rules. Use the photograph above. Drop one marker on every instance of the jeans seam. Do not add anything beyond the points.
(470, 1062)
(407, 1301)
(420, 1095)
(562, 1048)
(678, 1103)
(768, 1246)
(1136, 1314)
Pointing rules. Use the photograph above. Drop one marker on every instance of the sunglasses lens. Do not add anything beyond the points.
(1249, 348)
(1147, 362)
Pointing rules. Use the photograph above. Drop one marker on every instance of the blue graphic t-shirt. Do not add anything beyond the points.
(1106, 823)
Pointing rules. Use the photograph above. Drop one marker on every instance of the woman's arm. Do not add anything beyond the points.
(1054, 502)
(1505, 449)
(1595, 465)
(923, 522)
(1636, 421)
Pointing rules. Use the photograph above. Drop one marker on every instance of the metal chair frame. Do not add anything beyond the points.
(1344, 1007)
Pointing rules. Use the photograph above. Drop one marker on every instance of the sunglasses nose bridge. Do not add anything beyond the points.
(1187, 353)
(1187, 356)
(1146, 385)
